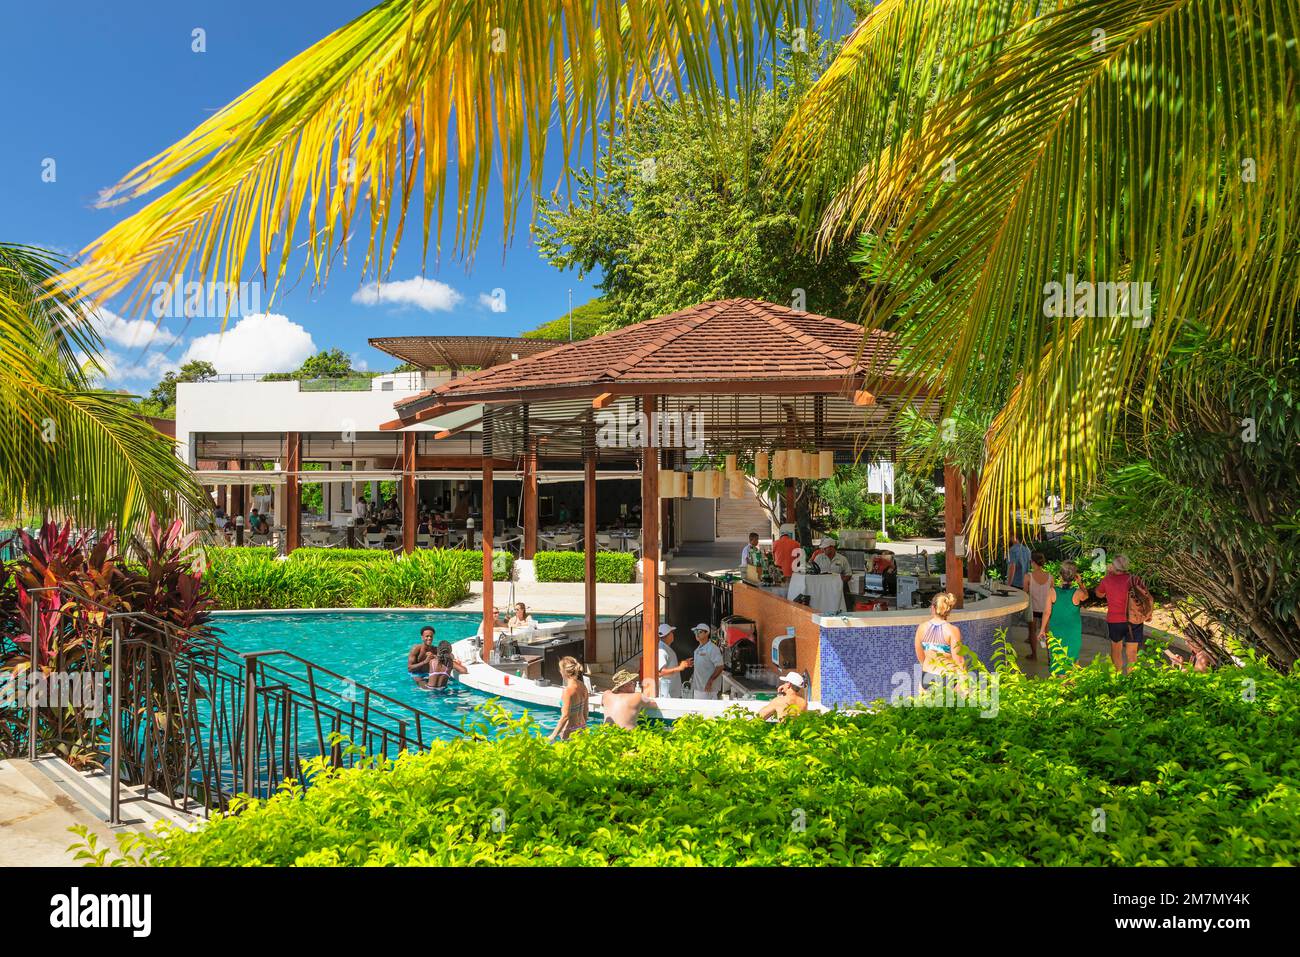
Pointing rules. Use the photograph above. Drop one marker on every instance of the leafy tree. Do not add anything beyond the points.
(326, 364)
(589, 319)
(161, 400)
(1205, 498)
(675, 213)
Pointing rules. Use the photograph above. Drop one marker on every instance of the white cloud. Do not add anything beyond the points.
(494, 300)
(262, 342)
(132, 333)
(427, 294)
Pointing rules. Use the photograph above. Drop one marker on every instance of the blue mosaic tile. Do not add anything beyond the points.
(863, 664)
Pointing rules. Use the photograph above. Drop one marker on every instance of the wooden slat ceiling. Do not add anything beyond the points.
(460, 352)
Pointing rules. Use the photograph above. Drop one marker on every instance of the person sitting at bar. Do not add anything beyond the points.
(624, 701)
(789, 702)
(783, 552)
(521, 618)
(443, 665)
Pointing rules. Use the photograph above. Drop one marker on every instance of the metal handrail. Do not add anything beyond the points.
(237, 716)
(627, 635)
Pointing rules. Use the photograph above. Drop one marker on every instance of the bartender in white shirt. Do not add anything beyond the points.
(831, 562)
(751, 554)
(708, 666)
(670, 670)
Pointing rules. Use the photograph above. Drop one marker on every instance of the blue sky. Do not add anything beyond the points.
(98, 87)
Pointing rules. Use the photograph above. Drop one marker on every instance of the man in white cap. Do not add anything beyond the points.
(789, 702)
(670, 670)
(708, 666)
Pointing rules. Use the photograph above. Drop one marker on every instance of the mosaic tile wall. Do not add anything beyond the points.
(862, 664)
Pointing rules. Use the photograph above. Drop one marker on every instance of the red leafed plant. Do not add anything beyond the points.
(74, 582)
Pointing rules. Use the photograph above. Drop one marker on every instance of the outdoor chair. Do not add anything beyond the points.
(374, 540)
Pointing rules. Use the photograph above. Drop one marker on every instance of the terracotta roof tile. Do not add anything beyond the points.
(726, 340)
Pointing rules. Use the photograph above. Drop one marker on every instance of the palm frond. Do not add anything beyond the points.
(67, 449)
(1110, 142)
(411, 96)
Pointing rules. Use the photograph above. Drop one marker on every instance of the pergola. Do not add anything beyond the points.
(753, 375)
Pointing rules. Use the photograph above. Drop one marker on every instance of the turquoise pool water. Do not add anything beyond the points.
(370, 648)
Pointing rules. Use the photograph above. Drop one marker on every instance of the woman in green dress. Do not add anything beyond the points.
(1061, 617)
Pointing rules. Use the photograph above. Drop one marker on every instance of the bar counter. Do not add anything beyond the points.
(858, 657)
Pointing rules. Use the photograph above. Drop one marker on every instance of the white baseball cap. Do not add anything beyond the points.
(665, 629)
(793, 678)
(702, 627)
(825, 542)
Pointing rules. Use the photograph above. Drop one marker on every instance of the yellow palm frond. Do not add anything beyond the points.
(412, 95)
(1103, 157)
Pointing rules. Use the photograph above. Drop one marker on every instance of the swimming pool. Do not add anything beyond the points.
(370, 648)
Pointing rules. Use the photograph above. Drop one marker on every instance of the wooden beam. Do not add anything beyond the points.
(292, 491)
(602, 400)
(489, 609)
(528, 503)
(649, 562)
(863, 397)
(589, 540)
(410, 503)
(952, 504)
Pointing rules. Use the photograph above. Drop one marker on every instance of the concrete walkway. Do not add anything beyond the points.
(557, 598)
(35, 817)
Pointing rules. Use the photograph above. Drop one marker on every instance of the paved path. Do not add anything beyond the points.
(559, 598)
(35, 817)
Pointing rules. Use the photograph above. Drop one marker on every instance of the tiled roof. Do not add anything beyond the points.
(731, 340)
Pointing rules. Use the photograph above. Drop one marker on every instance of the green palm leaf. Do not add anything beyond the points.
(67, 449)
(1113, 141)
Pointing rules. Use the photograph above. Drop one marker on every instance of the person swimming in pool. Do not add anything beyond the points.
(444, 664)
(421, 656)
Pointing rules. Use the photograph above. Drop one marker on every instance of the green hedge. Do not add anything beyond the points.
(611, 567)
(242, 578)
(1160, 767)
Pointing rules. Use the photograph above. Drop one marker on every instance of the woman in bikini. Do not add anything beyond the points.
(443, 665)
(573, 702)
(938, 643)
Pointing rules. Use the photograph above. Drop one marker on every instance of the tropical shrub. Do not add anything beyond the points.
(319, 578)
(153, 574)
(611, 567)
(1187, 769)
(340, 554)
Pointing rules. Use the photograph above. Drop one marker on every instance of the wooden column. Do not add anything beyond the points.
(528, 504)
(649, 561)
(410, 505)
(952, 506)
(489, 610)
(237, 503)
(292, 491)
(589, 537)
(791, 516)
